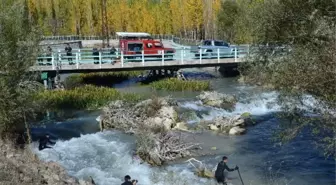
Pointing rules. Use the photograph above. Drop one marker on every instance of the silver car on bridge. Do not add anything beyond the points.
(214, 49)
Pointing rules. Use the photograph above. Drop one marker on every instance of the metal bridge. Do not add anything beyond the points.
(84, 60)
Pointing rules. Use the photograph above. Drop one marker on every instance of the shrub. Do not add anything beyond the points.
(174, 84)
(88, 97)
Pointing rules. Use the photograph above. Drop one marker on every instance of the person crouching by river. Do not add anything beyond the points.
(127, 180)
(221, 167)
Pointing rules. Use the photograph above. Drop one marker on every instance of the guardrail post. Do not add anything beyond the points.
(143, 57)
(79, 55)
(163, 54)
(248, 49)
(218, 56)
(60, 57)
(200, 51)
(182, 55)
(122, 58)
(235, 54)
(100, 60)
(77, 62)
(53, 61)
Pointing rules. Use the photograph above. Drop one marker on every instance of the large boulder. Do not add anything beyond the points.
(237, 131)
(234, 125)
(166, 116)
(219, 100)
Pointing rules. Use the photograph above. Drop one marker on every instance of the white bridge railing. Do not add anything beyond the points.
(178, 40)
(99, 57)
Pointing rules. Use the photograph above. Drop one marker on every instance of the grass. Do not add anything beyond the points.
(85, 97)
(174, 84)
(99, 78)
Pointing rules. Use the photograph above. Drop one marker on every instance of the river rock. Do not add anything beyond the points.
(216, 99)
(181, 126)
(205, 173)
(230, 125)
(229, 121)
(237, 131)
(213, 127)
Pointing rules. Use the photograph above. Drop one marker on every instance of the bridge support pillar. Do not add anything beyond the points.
(45, 83)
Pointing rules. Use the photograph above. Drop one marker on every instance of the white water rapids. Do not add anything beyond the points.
(107, 156)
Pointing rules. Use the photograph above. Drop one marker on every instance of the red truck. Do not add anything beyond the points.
(133, 43)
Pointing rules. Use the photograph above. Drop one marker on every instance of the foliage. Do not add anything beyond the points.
(301, 68)
(98, 78)
(18, 46)
(189, 18)
(88, 97)
(174, 84)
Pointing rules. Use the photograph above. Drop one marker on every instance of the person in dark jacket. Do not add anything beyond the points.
(68, 51)
(49, 54)
(43, 141)
(112, 53)
(221, 167)
(127, 180)
(95, 53)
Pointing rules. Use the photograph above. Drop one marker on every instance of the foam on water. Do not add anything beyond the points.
(107, 157)
(256, 105)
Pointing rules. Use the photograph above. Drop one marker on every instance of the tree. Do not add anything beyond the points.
(295, 54)
(17, 53)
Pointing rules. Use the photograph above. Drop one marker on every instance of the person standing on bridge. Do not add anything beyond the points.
(68, 51)
(49, 54)
(112, 53)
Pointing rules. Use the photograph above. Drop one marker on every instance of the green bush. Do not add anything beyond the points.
(174, 84)
(85, 97)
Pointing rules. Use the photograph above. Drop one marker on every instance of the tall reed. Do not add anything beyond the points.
(85, 97)
(174, 84)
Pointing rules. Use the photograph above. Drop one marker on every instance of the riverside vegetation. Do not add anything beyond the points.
(174, 84)
(19, 41)
(80, 95)
(85, 97)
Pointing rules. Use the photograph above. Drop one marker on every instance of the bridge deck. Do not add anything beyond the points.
(118, 66)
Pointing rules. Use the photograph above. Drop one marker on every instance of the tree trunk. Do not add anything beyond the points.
(29, 138)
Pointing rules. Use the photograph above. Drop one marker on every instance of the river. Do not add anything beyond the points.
(107, 156)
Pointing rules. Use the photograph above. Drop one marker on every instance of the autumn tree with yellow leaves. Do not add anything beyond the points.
(194, 19)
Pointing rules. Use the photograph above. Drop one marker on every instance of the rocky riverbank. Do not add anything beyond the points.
(22, 167)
